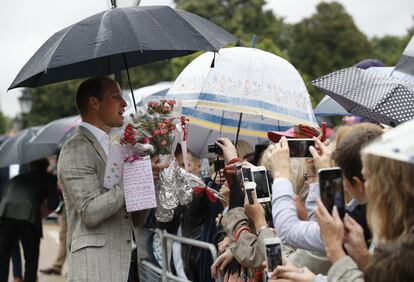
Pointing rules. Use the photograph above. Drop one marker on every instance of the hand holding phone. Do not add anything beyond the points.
(299, 148)
(274, 255)
(249, 188)
(259, 176)
(331, 189)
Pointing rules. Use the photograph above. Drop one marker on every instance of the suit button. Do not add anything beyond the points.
(128, 241)
(126, 217)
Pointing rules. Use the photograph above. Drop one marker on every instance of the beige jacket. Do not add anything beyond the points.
(249, 250)
(99, 228)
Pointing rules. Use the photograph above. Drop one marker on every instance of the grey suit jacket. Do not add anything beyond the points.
(99, 228)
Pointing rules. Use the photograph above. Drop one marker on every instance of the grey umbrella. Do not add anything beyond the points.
(18, 150)
(380, 98)
(406, 62)
(117, 39)
(57, 131)
(329, 107)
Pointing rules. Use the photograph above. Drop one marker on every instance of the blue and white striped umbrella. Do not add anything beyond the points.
(265, 88)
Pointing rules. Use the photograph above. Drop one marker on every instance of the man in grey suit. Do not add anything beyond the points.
(100, 231)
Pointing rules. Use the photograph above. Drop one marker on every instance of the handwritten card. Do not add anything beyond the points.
(139, 185)
(114, 165)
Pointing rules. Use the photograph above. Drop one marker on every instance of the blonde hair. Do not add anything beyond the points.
(243, 148)
(390, 193)
(298, 168)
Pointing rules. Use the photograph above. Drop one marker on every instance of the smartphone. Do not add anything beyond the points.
(259, 176)
(246, 173)
(332, 189)
(273, 252)
(249, 187)
(299, 148)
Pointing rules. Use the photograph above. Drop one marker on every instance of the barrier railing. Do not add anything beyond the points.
(150, 272)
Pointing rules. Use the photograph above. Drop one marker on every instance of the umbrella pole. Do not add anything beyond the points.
(238, 129)
(129, 82)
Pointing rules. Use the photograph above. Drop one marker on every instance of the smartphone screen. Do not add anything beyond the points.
(247, 174)
(332, 190)
(299, 148)
(273, 256)
(262, 185)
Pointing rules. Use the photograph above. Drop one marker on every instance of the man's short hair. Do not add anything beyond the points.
(347, 153)
(92, 87)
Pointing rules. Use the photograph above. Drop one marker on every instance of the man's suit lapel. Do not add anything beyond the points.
(94, 141)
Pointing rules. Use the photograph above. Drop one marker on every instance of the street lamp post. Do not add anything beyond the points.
(25, 105)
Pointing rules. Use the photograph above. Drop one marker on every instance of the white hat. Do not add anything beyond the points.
(397, 144)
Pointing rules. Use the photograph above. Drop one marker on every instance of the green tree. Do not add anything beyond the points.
(5, 123)
(327, 41)
(388, 49)
(243, 18)
(53, 101)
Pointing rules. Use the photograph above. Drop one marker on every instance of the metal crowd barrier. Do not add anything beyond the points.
(149, 272)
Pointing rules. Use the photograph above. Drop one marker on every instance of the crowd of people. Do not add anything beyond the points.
(370, 239)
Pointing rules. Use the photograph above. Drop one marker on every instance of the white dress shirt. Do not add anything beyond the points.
(99, 134)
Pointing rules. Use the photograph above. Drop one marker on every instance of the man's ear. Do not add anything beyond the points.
(358, 184)
(93, 103)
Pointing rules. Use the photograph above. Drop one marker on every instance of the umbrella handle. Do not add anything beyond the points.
(129, 80)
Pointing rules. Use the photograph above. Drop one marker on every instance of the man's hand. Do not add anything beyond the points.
(229, 151)
(255, 212)
(332, 231)
(279, 159)
(157, 167)
(354, 243)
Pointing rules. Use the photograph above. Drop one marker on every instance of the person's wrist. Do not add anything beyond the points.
(260, 224)
(336, 253)
(363, 259)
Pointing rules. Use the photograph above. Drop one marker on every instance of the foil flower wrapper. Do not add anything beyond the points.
(188, 181)
(167, 185)
(163, 215)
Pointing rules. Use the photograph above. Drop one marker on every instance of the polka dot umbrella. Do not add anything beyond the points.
(381, 98)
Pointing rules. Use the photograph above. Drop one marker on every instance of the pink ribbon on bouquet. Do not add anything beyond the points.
(183, 139)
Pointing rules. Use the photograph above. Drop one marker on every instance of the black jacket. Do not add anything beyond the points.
(24, 194)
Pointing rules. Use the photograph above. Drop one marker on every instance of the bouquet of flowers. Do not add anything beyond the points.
(154, 131)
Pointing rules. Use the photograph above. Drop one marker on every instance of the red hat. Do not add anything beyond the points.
(298, 131)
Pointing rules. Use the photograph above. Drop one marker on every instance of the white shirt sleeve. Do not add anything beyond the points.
(310, 202)
(291, 230)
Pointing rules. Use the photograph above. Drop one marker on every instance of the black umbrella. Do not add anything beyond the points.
(19, 150)
(381, 98)
(117, 39)
(57, 131)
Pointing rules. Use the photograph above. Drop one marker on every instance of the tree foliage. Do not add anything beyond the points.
(327, 41)
(53, 101)
(5, 123)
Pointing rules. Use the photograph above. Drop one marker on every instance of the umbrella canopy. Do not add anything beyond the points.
(329, 107)
(381, 98)
(406, 62)
(57, 131)
(117, 39)
(18, 150)
(158, 89)
(265, 88)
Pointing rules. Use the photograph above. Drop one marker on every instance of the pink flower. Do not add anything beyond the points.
(161, 125)
(145, 140)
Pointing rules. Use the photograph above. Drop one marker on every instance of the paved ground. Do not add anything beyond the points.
(48, 251)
